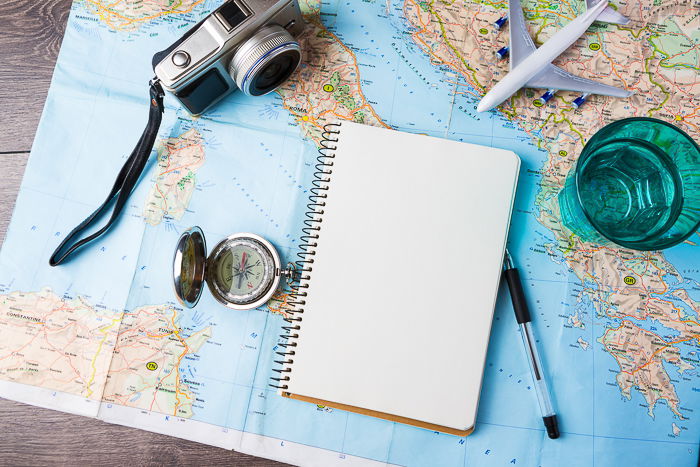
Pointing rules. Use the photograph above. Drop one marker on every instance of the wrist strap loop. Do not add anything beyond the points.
(124, 184)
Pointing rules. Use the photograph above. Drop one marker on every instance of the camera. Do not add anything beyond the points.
(247, 45)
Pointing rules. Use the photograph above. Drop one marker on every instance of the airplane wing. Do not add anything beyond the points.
(608, 15)
(553, 77)
(521, 45)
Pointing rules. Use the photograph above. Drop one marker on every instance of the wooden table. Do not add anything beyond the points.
(30, 37)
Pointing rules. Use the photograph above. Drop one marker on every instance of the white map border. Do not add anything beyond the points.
(192, 430)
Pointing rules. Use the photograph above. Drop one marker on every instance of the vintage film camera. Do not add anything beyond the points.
(244, 44)
(248, 45)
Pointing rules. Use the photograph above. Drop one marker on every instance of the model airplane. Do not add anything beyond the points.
(531, 67)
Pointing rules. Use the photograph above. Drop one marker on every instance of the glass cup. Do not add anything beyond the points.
(636, 185)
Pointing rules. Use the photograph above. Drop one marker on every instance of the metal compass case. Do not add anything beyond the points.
(243, 271)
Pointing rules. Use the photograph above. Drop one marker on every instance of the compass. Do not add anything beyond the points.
(243, 271)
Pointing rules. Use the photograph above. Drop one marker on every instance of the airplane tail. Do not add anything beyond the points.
(608, 15)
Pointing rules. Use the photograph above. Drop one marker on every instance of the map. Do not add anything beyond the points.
(103, 335)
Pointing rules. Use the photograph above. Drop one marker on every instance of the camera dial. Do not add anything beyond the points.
(265, 61)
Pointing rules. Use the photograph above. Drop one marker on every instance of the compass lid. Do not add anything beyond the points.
(189, 263)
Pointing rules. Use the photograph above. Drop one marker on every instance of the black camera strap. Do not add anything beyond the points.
(124, 184)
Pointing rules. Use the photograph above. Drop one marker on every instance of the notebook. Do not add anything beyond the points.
(401, 261)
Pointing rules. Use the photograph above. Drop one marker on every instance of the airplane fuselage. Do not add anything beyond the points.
(519, 76)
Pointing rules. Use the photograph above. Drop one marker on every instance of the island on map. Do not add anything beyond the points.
(179, 158)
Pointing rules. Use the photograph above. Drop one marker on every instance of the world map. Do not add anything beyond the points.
(103, 335)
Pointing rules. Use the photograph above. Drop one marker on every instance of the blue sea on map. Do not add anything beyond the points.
(255, 179)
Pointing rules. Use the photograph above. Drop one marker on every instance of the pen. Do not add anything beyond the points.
(522, 315)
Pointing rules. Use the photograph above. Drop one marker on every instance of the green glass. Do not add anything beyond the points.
(636, 184)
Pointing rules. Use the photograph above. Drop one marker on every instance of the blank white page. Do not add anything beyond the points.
(404, 281)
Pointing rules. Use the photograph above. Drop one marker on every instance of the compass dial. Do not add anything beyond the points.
(241, 271)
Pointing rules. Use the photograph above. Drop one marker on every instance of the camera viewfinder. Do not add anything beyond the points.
(232, 15)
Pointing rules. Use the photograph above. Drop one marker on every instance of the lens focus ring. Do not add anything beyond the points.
(270, 44)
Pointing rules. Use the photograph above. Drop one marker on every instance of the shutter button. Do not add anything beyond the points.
(181, 59)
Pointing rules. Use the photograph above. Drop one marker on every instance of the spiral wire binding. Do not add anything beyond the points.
(307, 247)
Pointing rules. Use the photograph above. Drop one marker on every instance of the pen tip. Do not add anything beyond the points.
(507, 261)
(552, 426)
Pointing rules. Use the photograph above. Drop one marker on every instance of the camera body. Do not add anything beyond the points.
(245, 44)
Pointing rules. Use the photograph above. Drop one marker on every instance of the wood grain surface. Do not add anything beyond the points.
(12, 168)
(30, 37)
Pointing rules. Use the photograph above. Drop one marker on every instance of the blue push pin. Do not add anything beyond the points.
(502, 52)
(580, 100)
(546, 97)
(498, 24)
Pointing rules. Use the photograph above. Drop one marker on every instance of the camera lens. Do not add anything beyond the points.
(265, 61)
(274, 74)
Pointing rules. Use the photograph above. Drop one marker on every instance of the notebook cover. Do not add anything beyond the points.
(382, 415)
(405, 277)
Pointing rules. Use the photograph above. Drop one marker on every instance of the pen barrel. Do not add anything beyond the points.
(522, 312)
(522, 316)
(540, 383)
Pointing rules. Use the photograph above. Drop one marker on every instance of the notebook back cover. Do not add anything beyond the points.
(405, 277)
